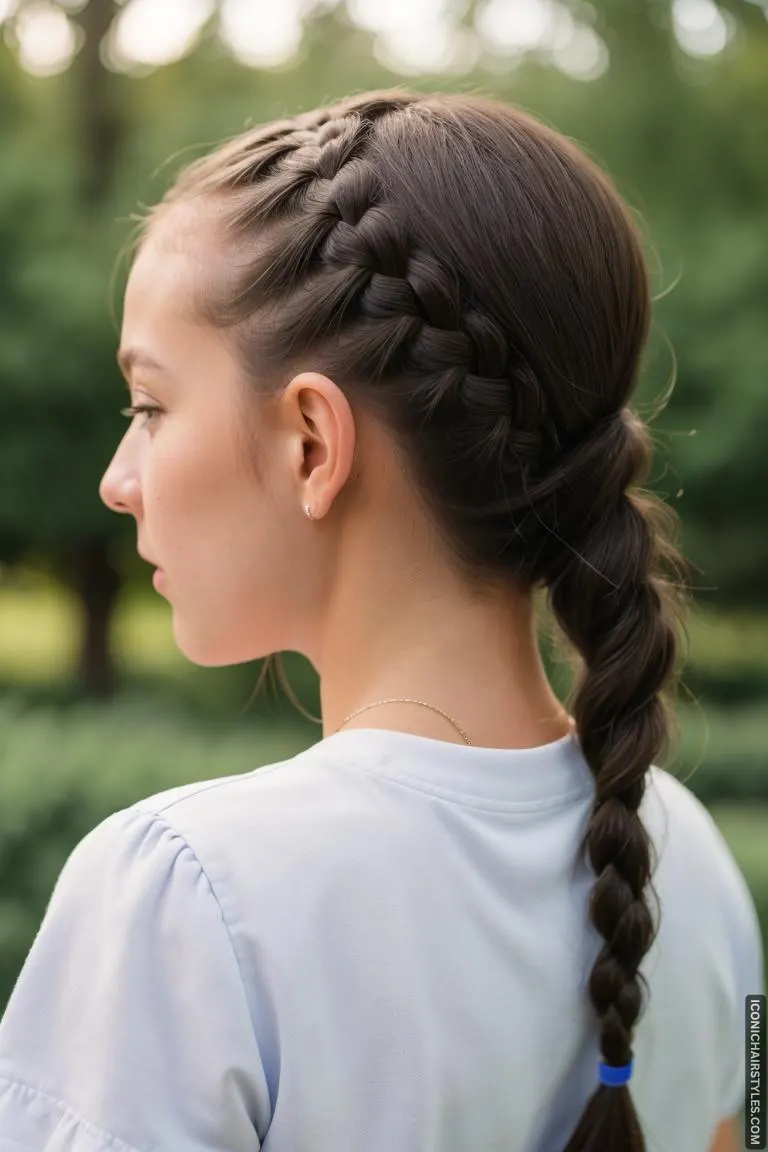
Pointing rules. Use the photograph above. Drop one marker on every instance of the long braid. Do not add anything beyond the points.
(614, 588)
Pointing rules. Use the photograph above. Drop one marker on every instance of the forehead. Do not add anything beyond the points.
(168, 272)
(180, 262)
(162, 314)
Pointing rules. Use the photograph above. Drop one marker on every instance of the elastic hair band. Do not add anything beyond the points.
(612, 1076)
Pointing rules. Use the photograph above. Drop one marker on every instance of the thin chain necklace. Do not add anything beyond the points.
(406, 700)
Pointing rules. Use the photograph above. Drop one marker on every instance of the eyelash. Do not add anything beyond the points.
(138, 409)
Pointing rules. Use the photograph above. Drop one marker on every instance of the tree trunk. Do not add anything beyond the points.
(98, 117)
(98, 586)
(100, 132)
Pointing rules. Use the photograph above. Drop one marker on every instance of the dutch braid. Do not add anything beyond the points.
(471, 277)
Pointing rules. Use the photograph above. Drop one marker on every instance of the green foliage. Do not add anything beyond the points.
(721, 752)
(677, 135)
(58, 423)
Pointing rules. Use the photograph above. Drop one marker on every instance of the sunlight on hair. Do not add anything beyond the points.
(701, 28)
(46, 39)
(149, 33)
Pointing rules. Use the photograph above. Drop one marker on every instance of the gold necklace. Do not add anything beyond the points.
(406, 700)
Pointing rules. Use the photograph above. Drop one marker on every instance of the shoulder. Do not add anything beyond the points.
(272, 819)
(99, 1024)
(697, 869)
(686, 835)
(304, 829)
(129, 867)
(266, 791)
(169, 845)
(683, 825)
(713, 925)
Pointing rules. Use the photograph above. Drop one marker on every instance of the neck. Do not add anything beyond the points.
(479, 662)
(389, 617)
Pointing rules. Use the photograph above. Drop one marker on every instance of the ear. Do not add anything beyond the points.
(320, 414)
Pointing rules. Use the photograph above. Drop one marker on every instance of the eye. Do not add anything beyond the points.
(149, 410)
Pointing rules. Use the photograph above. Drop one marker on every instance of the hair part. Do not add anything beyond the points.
(471, 278)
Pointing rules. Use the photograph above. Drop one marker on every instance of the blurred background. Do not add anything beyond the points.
(100, 103)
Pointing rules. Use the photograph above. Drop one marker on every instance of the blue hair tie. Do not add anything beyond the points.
(612, 1076)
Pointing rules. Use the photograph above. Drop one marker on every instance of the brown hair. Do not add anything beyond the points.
(472, 278)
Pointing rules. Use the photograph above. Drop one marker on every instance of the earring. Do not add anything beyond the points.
(308, 512)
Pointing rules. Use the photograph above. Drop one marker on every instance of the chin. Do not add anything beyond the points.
(212, 651)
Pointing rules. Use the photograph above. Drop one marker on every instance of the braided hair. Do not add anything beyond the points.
(470, 277)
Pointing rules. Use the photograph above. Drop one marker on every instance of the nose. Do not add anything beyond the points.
(119, 488)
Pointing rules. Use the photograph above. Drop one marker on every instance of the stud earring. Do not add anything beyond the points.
(308, 512)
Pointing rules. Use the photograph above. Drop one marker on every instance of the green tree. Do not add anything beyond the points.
(680, 136)
(54, 421)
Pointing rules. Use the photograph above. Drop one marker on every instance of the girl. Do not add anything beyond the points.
(380, 357)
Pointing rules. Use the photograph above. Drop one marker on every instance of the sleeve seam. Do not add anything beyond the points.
(68, 1112)
(172, 828)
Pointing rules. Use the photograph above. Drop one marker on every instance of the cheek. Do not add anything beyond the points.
(230, 547)
(187, 487)
(241, 603)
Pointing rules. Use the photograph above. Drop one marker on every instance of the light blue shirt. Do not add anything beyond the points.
(381, 943)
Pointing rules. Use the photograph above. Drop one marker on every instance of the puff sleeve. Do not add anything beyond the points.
(128, 1029)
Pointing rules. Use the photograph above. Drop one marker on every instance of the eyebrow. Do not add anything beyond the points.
(129, 358)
